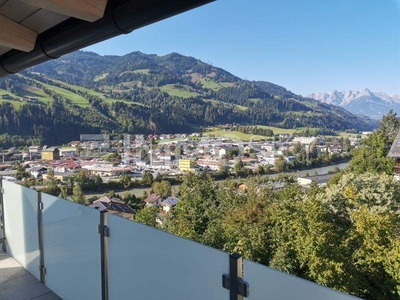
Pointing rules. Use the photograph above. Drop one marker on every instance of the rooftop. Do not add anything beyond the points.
(395, 149)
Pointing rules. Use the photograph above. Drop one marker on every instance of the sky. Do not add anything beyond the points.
(306, 46)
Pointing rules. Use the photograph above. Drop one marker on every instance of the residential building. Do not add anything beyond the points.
(114, 206)
(168, 203)
(51, 154)
(213, 165)
(187, 165)
(153, 200)
(38, 171)
(395, 153)
(107, 169)
(268, 147)
(60, 176)
(68, 152)
(34, 149)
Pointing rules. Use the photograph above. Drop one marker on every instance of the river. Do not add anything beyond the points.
(138, 192)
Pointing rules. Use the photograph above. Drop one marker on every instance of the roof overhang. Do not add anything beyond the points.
(35, 31)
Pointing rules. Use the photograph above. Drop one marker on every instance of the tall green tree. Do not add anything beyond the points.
(371, 156)
(147, 216)
(147, 178)
(162, 188)
(196, 208)
(78, 195)
(51, 184)
(280, 164)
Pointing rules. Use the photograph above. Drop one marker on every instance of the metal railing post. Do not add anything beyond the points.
(2, 219)
(42, 269)
(104, 233)
(234, 282)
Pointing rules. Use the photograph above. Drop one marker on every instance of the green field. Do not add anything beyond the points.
(139, 71)
(70, 96)
(215, 86)
(25, 91)
(278, 130)
(15, 103)
(30, 91)
(171, 90)
(106, 99)
(209, 84)
(100, 77)
(235, 135)
(142, 71)
(240, 107)
(309, 104)
(226, 84)
(81, 89)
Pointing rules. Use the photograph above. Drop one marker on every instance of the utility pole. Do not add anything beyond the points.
(151, 154)
(308, 154)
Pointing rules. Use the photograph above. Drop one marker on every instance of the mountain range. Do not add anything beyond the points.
(84, 92)
(365, 102)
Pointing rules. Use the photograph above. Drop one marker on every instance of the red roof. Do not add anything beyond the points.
(152, 198)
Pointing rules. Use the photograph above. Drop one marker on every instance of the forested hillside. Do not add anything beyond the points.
(140, 93)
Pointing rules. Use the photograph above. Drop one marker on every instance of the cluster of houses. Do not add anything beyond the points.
(165, 205)
(165, 154)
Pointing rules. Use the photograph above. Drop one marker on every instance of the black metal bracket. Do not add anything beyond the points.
(243, 286)
(234, 281)
(42, 270)
(104, 230)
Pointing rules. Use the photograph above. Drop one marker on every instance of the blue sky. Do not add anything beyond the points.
(306, 46)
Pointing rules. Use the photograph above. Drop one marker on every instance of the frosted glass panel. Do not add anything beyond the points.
(72, 249)
(266, 283)
(146, 263)
(20, 216)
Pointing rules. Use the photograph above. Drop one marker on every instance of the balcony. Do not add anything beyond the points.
(80, 253)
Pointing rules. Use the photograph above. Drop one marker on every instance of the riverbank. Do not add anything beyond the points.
(138, 192)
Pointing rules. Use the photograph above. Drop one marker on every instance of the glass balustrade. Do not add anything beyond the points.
(143, 262)
(152, 264)
(21, 225)
(71, 249)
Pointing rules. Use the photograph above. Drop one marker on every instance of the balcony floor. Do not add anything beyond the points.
(16, 283)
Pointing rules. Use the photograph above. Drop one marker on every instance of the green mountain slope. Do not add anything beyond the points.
(140, 93)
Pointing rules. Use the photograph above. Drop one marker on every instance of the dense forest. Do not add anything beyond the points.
(139, 93)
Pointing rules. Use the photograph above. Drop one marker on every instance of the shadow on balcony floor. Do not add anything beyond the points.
(16, 283)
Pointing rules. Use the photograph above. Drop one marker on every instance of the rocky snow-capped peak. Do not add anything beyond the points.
(374, 105)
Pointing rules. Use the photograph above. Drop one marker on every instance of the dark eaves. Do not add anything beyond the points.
(121, 17)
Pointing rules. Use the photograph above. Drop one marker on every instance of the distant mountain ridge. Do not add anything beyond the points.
(146, 93)
(365, 102)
